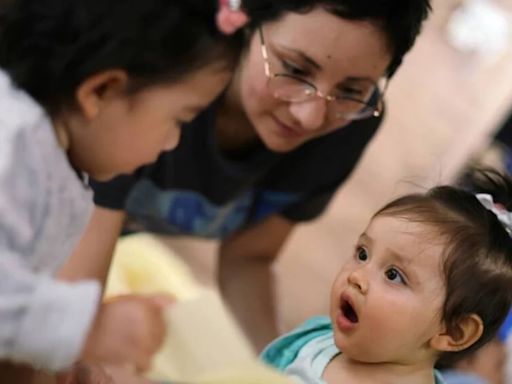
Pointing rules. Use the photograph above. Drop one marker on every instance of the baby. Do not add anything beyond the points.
(430, 279)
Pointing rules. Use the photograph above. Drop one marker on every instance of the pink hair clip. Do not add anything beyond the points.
(231, 17)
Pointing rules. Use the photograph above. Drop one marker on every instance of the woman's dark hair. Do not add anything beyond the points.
(400, 20)
(478, 258)
(49, 47)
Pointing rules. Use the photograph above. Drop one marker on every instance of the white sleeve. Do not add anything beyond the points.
(44, 322)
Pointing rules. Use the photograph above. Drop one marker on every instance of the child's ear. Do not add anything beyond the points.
(97, 89)
(468, 331)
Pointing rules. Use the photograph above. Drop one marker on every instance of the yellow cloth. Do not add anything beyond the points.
(143, 265)
(203, 343)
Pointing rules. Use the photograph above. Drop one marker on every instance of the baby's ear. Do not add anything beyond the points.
(92, 94)
(464, 334)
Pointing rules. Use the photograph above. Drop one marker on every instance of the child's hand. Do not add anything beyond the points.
(85, 373)
(122, 375)
(128, 331)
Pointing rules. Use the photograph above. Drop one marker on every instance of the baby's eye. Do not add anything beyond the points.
(394, 275)
(361, 254)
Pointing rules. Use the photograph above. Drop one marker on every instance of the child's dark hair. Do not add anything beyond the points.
(49, 47)
(400, 20)
(478, 258)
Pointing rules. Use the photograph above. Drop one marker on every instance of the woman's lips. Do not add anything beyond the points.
(288, 131)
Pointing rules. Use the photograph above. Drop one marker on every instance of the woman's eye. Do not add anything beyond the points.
(361, 254)
(293, 70)
(351, 92)
(394, 275)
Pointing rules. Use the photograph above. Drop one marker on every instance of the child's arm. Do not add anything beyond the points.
(93, 255)
(44, 322)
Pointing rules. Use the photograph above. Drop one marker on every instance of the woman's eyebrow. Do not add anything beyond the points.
(303, 56)
(344, 82)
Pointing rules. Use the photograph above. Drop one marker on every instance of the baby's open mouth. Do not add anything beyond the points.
(349, 312)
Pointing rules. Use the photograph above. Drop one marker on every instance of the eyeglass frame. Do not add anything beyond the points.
(377, 111)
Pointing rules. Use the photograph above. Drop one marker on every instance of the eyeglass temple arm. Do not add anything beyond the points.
(264, 53)
(380, 102)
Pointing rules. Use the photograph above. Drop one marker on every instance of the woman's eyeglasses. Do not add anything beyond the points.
(356, 99)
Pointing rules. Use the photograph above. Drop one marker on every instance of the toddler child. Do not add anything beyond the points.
(89, 88)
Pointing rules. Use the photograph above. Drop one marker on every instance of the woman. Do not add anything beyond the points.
(270, 152)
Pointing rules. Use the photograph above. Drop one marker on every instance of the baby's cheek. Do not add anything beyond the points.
(338, 282)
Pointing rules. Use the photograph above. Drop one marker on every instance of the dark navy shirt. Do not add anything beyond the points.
(197, 190)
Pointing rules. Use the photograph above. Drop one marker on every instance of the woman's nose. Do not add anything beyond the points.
(310, 114)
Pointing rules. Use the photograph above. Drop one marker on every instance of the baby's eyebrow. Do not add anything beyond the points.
(365, 238)
(398, 256)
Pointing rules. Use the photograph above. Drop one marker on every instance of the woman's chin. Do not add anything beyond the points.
(282, 145)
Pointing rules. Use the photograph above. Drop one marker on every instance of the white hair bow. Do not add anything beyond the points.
(504, 216)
